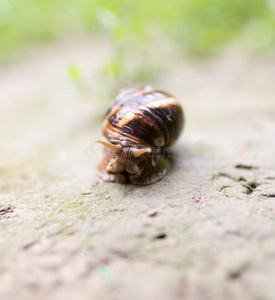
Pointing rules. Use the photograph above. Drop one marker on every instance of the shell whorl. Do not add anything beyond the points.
(143, 117)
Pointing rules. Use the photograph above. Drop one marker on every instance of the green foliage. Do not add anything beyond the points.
(138, 27)
(74, 73)
(78, 80)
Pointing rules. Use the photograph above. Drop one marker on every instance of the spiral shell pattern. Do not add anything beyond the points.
(143, 117)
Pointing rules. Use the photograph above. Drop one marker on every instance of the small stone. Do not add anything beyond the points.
(173, 243)
(152, 213)
(160, 235)
(88, 188)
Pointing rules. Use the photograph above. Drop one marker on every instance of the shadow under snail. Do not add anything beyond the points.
(140, 123)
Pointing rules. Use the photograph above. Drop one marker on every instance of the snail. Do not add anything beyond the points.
(140, 123)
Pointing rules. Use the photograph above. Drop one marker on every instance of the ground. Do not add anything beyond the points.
(206, 231)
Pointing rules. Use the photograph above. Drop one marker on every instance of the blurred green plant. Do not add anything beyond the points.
(79, 80)
(137, 28)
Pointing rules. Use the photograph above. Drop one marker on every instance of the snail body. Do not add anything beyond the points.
(139, 124)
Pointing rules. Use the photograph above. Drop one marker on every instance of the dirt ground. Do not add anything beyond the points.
(206, 231)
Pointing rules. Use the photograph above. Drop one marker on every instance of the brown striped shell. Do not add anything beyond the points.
(138, 121)
(143, 117)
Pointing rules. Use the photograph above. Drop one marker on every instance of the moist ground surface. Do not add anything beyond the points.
(206, 231)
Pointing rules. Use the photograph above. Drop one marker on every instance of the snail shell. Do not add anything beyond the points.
(139, 124)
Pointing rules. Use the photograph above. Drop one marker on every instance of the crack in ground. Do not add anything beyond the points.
(269, 195)
(249, 186)
(223, 174)
(5, 211)
(245, 167)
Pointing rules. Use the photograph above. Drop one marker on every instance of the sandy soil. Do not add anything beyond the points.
(206, 231)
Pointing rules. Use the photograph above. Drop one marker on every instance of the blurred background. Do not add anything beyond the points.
(138, 31)
(211, 232)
